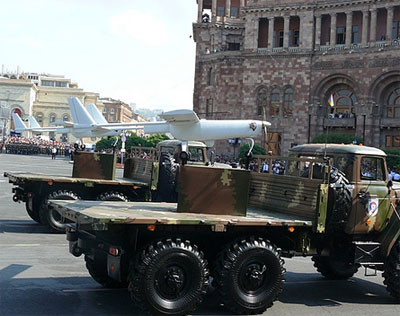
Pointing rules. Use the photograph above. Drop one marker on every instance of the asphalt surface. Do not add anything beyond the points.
(38, 276)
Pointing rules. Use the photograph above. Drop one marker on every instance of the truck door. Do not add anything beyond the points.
(372, 201)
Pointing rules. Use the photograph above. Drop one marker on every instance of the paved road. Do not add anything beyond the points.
(38, 276)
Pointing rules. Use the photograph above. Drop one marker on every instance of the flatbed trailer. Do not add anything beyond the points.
(35, 189)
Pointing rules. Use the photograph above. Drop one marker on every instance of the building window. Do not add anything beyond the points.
(393, 104)
(234, 12)
(47, 83)
(340, 35)
(39, 117)
(65, 117)
(112, 111)
(275, 102)
(344, 100)
(62, 84)
(288, 102)
(233, 46)
(221, 11)
(396, 30)
(211, 76)
(262, 96)
(392, 141)
(52, 136)
(280, 39)
(354, 36)
(104, 111)
(209, 107)
(296, 34)
(52, 118)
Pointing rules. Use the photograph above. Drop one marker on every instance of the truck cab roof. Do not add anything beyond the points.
(331, 149)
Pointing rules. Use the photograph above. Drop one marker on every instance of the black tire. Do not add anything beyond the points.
(97, 269)
(32, 208)
(334, 269)
(391, 273)
(249, 276)
(112, 196)
(166, 187)
(339, 203)
(51, 218)
(168, 278)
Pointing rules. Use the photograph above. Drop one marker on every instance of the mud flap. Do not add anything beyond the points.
(391, 233)
(114, 267)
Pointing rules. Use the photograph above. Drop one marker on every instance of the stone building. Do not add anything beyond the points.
(43, 96)
(116, 111)
(282, 60)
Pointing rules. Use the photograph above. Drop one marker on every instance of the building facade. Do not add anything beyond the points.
(116, 111)
(43, 96)
(282, 60)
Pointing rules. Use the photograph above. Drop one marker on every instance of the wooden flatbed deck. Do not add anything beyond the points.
(101, 214)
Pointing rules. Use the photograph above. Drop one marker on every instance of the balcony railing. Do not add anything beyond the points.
(340, 122)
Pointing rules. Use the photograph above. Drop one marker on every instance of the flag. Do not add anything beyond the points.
(331, 102)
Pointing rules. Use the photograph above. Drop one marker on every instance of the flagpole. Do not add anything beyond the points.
(331, 103)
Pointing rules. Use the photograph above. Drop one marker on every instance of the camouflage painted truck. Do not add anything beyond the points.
(146, 172)
(233, 227)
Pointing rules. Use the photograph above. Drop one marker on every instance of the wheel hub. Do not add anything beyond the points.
(254, 277)
(171, 281)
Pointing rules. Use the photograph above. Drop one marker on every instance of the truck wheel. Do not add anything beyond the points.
(169, 278)
(391, 273)
(51, 218)
(32, 208)
(97, 269)
(112, 196)
(334, 269)
(340, 201)
(249, 276)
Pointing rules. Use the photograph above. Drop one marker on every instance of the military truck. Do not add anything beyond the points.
(146, 172)
(234, 227)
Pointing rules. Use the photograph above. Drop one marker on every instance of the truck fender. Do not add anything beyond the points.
(391, 233)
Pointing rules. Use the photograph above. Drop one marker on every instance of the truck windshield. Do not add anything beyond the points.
(372, 169)
(196, 154)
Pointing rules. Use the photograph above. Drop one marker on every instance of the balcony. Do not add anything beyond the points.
(340, 122)
(390, 123)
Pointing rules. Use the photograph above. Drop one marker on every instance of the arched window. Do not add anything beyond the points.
(288, 102)
(39, 117)
(344, 101)
(52, 118)
(65, 117)
(262, 97)
(275, 102)
(393, 104)
(211, 76)
(112, 111)
(104, 111)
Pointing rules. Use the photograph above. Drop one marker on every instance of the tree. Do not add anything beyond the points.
(393, 158)
(133, 140)
(336, 139)
(257, 150)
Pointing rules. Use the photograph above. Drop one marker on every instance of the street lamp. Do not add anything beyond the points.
(124, 134)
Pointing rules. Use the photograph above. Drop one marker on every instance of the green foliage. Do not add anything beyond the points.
(257, 150)
(393, 158)
(336, 139)
(133, 140)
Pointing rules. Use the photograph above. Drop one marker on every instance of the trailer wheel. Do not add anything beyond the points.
(97, 269)
(334, 269)
(169, 278)
(112, 196)
(51, 218)
(340, 201)
(32, 206)
(391, 273)
(249, 276)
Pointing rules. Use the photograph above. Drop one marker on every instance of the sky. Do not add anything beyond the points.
(138, 51)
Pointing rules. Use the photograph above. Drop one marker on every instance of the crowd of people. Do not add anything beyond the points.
(394, 174)
(35, 146)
